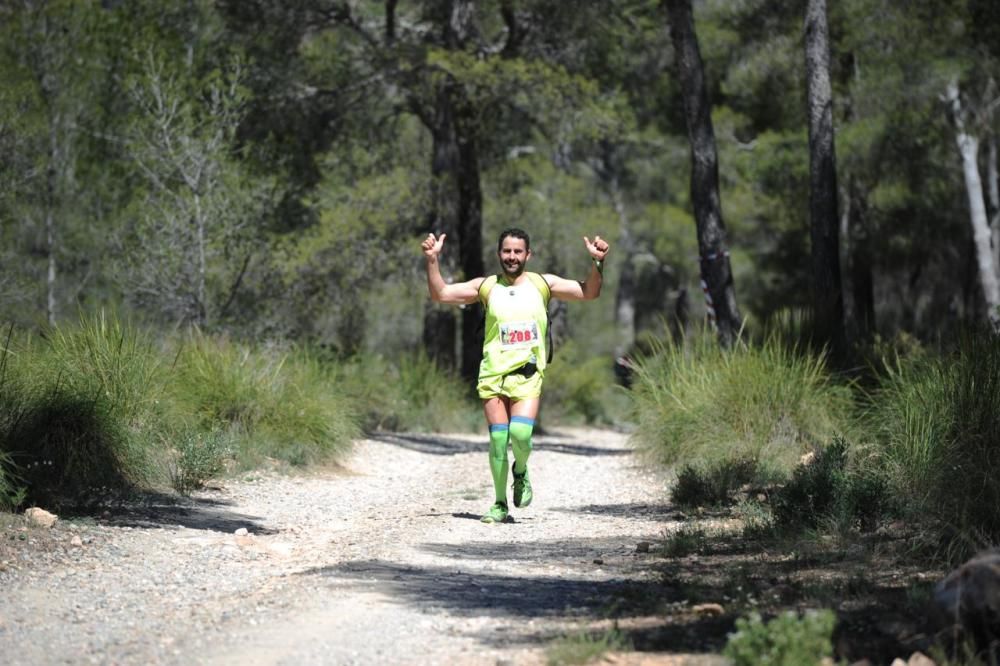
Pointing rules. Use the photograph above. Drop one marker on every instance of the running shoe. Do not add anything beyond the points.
(496, 514)
(522, 488)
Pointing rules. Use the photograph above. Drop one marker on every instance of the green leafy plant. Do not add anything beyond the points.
(714, 484)
(200, 456)
(787, 640)
(685, 541)
(585, 647)
(413, 393)
(829, 490)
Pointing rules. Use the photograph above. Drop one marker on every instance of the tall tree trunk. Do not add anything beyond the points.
(828, 298)
(439, 321)
(716, 273)
(968, 148)
(470, 233)
(458, 204)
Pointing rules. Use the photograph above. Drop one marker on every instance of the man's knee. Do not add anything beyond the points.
(520, 431)
(498, 442)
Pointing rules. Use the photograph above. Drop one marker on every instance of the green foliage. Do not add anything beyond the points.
(92, 408)
(829, 491)
(585, 647)
(787, 640)
(12, 491)
(697, 403)
(714, 485)
(581, 385)
(277, 403)
(199, 456)
(937, 423)
(685, 541)
(79, 409)
(411, 394)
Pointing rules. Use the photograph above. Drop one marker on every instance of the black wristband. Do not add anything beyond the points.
(599, 263)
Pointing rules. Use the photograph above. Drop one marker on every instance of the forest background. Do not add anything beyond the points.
(211, 211)
(210, 216)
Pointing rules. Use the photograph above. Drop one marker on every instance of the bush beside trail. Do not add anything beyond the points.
(768, 403)
(102, 407)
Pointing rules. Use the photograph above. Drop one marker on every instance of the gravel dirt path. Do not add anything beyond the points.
(381, 561)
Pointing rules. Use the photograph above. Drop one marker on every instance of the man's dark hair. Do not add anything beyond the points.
(514, 232)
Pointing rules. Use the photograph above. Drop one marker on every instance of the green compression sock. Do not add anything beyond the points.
(520, 441)
(498, 460)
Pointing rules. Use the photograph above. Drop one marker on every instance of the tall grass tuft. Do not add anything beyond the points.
(413, 393)
(937, 422)
(273, 402)
(76, 409)
(699, 404)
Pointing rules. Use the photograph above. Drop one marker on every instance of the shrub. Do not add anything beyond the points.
(713, 485)
(12, 490)
(272, 402)
(697, 403)
(414, 394)
(584, 648)
(937, 424)
(199, 457)
(78, 409)
(829, 490)
(580, 386)
(787, 640)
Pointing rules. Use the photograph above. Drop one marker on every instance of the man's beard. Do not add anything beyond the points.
(514, 270)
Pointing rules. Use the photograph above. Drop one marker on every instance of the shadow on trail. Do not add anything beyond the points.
(581, 602)
(467, 593)
(664, 512)
(449, 446)
(581, 551)
(155, 510)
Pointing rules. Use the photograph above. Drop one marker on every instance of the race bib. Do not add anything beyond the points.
(514, 334)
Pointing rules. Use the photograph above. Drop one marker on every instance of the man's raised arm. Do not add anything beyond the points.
(441, 291)
(589, 289)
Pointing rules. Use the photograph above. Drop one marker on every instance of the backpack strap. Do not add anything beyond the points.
(542, 286)
(485, 287)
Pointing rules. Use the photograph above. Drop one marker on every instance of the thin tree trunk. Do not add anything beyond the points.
(50, 274)
(50, 223)
(608, 169)
(861, 262)
(716, 273)
(201, 308)
(828, 298)
(968, 148)
(625, 294)
(993, 188)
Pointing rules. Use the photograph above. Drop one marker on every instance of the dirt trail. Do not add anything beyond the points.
(384, 561)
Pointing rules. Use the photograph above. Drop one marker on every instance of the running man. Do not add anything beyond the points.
(514, 347)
